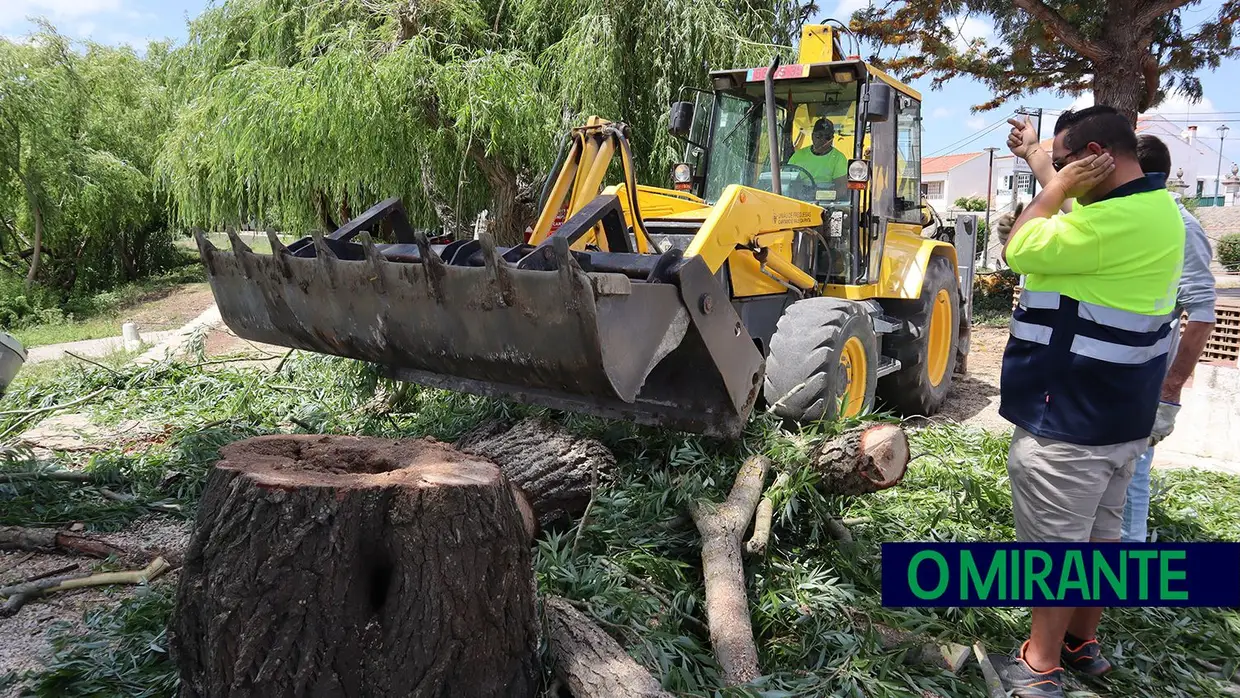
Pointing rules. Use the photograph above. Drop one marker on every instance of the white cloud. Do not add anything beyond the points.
(976, 122)
(84, 29)
(941, 113)
(12, 11)
(970, 28)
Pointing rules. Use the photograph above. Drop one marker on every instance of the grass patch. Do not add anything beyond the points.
(804, 597)
(256, 241)
(100, 315)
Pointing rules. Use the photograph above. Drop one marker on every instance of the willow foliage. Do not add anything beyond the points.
(80, 128)
(297, 112)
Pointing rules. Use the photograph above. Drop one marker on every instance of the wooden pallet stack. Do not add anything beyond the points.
(1224, 342)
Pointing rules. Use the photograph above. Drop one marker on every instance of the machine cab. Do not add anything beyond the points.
(848, 141)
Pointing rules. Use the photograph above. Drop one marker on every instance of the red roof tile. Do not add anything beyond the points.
(945, 163)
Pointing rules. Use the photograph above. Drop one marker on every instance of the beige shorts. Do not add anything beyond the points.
(1065, 492)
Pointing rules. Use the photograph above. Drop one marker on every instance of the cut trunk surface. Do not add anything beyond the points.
(862, 460)
(341, 566)
(589, 662)
(552, 468)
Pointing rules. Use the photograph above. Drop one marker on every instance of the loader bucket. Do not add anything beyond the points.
(539, 329)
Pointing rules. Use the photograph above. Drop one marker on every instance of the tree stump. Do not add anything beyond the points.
(342, 566)
(862, 460)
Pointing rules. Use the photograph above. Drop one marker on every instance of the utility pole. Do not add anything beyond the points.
(990, 183)
(1218, 173)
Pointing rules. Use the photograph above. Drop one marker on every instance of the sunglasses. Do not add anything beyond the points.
(1060, 164)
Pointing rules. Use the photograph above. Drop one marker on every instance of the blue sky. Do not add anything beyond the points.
(949, 125)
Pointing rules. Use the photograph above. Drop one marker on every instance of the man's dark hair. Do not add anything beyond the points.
(1098, 124)
(1153, 154)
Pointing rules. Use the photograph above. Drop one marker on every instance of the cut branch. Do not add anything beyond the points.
(756, 545)
(20, 594)
(47, 540)
(727, 606)
(589, 662)
(1061, 28)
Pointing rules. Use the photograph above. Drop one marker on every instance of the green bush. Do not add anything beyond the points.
(1228, 252)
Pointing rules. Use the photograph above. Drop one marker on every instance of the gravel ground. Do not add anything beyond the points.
(23, 637)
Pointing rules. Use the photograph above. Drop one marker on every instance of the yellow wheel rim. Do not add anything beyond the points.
(940, 344)
(853, 362)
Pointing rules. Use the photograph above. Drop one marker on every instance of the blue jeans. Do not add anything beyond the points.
(1137, 505)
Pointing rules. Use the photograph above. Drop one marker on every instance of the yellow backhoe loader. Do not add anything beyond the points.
(806, 288)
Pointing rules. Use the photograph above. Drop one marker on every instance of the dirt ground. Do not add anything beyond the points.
(974, 397)
(170, 308)
(24, 634)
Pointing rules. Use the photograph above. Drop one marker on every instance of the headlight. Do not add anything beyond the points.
(858, 171)
(682, 173)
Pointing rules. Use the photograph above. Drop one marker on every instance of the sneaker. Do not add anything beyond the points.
(1086, 658)
(1019, 679)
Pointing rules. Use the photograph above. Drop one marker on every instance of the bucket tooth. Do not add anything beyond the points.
(280, 253)
(433, 266)
(325, 257)
(277, 247)
(497, 271)
(205, 249)
(238, 245)
(374, 259)
(243, 252)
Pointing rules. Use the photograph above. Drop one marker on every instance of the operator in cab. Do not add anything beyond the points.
(827, 165)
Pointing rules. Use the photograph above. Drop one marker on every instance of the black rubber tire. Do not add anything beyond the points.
(804, 379)
(909, 390)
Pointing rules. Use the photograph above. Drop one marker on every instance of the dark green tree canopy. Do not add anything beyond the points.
(1129, 53)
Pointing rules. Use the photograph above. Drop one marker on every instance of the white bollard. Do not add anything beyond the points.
(129, 332)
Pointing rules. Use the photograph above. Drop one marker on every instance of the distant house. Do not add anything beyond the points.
(948, 177)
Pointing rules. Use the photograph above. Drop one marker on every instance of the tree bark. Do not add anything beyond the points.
(341, 566)
(727, 604)
(589, 662)
(863, 459)
(509, 213)
(551, 467)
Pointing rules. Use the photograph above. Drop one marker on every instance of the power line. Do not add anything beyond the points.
(969, 139)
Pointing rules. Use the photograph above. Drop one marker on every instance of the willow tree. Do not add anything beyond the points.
(79, 131)
(300, 113)
(1129, 54)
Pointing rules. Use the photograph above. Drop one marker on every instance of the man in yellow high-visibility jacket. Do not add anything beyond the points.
(822, 160)
(1084, 365)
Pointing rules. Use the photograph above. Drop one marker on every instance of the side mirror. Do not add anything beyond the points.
(680, 119)
(878, 102)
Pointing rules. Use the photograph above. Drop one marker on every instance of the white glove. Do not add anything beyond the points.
(1164, 421)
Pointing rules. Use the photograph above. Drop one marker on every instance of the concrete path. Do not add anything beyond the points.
(90, 348)
(1207, 429)
(174, 342)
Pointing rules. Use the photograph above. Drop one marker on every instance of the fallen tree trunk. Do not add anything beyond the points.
(727, 605)
(49, 540)
(589, 662)
(553, 468)
(862, 460)
(356, 566)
